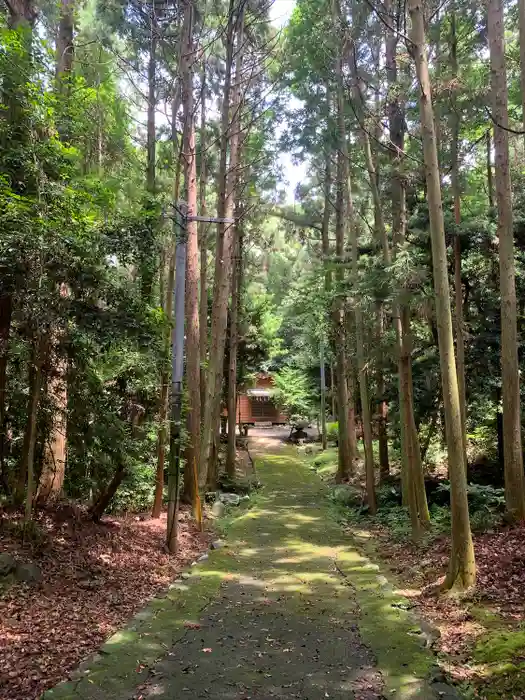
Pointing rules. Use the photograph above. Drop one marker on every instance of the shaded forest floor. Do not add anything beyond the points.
(479, 638)
(94, 578)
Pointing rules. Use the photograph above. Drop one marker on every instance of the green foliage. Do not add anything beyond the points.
(135, 495)
(332, 432)
(65, 258)
(482, 497)
(293, 394)
(486, 505)
(347, 496)
(388, 495)
(86, 242)
(259, 342)
(325, 463)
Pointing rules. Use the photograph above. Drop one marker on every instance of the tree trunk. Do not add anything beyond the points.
(203, 313)
(99, 508)
(521, 4)
(462, 570)
(170, 287)
(382, 427)
(333, 391)
(414, 478)
(232, 366)
(325, 241)
(411, 471)
(346, 459)
(514, 481)
(147, 262)
(458, 288)
(224, 244)
(54, 463)
(382, 239)
(6, 309)
(490, 184)
(21, 12)
(151, 144)
(360, 356)
(351, 390)
(192, 451)
(415, 462)
(26, 468)
(365, 401)
(65, 48)
(322, 372)
(325, 232)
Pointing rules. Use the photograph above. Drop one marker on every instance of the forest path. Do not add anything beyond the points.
(289, 609)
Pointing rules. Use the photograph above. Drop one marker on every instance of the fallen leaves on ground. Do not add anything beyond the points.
(94, 578)
(500, 589)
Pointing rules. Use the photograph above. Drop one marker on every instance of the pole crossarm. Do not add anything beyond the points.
(181, 210)
(210, 220)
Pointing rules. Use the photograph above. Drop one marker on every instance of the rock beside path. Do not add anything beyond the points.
(218, 509)
(28, 573)
(25, 572)
(7, 564)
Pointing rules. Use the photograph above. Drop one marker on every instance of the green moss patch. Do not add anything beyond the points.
(325, 463)
(505, 646)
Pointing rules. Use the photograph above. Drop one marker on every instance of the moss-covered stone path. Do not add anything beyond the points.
(289, 609)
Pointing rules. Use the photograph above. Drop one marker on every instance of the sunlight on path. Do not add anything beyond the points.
(288, 610)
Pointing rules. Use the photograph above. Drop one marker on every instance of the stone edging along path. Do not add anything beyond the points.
(288, 609)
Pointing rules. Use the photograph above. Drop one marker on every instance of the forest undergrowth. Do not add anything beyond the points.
(478, 636)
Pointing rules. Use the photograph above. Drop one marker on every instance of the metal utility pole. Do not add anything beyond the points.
(180, 231)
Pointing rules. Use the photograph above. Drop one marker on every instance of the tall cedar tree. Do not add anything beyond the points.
(230, 137)
(54, 460)
(462, 569)
(512, 448)
(362, 372)
(192, 258)
(346, 458)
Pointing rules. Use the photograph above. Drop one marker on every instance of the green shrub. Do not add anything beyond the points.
(440, 519)
(486, 504)
(486, 507)
(332, 431)
(293, 394)
(486, 498)
(388, 495)
(482, 441)
(483, 520)
(325, 463)
(346, 495)
(136, 492)
(397, 521)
